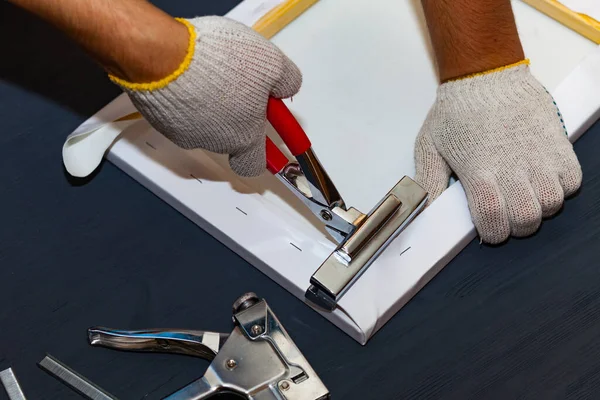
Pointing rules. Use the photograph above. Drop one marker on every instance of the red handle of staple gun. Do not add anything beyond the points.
(288, 128)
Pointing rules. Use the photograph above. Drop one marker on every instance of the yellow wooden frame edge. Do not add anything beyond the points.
(580, 23)
(281, 16)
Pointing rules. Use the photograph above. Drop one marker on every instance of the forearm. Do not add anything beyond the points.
(471, 36)
(131, 39)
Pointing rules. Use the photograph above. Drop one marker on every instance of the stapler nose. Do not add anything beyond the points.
(320, 299)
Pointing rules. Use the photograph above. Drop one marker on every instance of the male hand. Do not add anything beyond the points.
(217, 99)
(504, 137)
(203, 82)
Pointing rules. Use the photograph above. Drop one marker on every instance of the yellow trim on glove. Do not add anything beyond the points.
(165, 81)
(491, 71)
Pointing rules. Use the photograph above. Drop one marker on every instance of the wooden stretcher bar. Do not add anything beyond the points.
(279, 17)
(580, 23)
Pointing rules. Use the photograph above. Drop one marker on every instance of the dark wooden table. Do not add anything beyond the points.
(517, 321)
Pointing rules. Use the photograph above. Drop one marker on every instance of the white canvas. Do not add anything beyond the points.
(362, 121)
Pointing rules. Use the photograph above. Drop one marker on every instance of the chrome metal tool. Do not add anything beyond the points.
(360, 237)
(258, 360)
(11, 385)
(74, 380)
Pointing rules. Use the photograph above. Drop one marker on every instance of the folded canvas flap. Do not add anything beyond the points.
(85, 148)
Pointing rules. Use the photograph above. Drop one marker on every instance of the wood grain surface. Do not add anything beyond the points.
(580, 23)
(518, 321)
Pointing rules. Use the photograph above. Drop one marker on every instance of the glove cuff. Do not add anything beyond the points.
(173, 76)
(503, 85)
(491, 71)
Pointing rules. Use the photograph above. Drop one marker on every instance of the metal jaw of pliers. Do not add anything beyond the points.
(360, 237)
(310, 183)
(258, 360)
(306, 177)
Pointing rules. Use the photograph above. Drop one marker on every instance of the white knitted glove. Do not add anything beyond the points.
(217, 99)
(504, 138)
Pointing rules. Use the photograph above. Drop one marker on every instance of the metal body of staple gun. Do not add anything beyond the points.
(257, 361)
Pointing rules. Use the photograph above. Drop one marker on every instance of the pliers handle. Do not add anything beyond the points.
(322, 197)
(289, 130)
